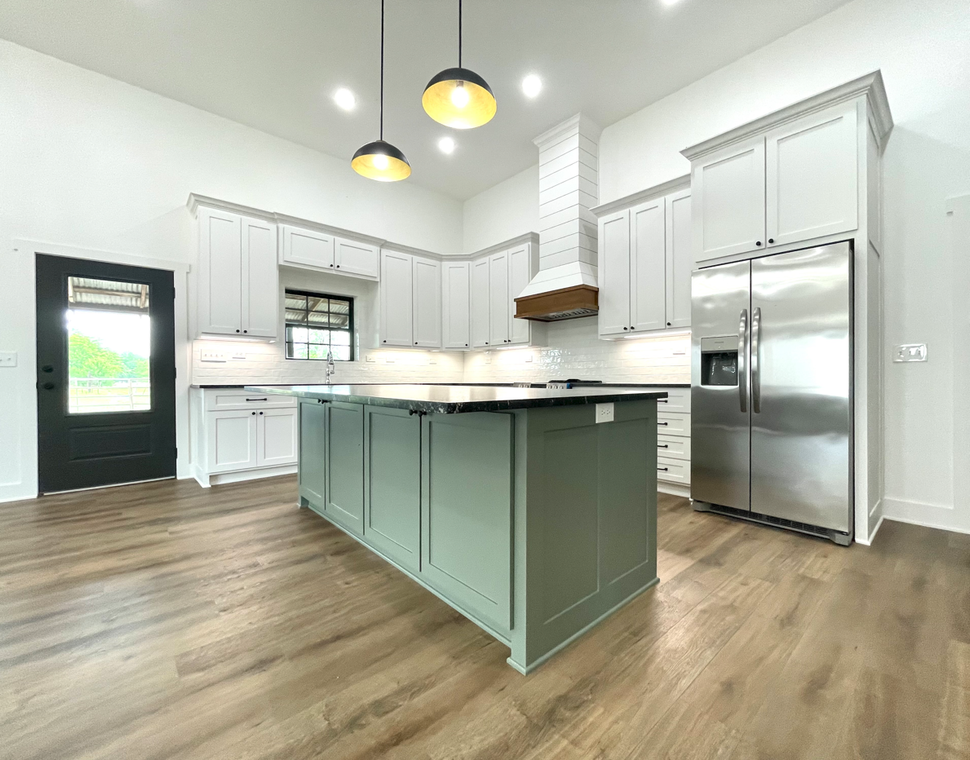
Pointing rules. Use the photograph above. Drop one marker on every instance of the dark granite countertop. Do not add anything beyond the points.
(575, 384)
(455, 399)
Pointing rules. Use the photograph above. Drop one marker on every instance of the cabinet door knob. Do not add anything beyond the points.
(338, 266)
(466, 345)
(254, 414)
(385, 341)
(245, 331)
(668, 324)
(237, 330)
(771, 240)
(758, 244)
(415, 343)
(331, 266)
(260, 414)
(626, 328)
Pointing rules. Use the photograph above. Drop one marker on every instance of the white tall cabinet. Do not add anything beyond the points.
(496, 279)
(645, 262)
(237, 280)
(805, 176)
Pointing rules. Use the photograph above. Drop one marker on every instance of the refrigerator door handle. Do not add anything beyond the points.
(756, 361)
(742, 360)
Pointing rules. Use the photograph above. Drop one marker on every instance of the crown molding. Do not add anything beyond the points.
(657, 191)
(870, 86)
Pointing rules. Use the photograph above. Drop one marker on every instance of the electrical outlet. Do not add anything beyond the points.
(528, 358)
(8, 358)
(213, 356)
(238, 356)
(604, 412)
(911, 352)
(370, 358)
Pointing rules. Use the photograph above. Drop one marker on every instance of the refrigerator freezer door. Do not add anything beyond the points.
(720, 409)
(801, 421)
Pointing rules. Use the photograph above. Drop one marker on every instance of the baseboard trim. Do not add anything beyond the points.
(923, 524)
(673, 489)
(243, 475)
(937, 516)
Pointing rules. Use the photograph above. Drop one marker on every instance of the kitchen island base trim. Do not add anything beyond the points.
(535, 524)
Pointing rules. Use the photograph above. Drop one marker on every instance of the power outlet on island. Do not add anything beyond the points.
(604, 413)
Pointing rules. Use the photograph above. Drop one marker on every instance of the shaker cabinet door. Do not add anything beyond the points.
(220, 273)
(729, 201)
(456, 306)
(426, 302)
(313, 454)
(680, 260)
(813, 177)
(480, 303)
(276, 437)
(353, 257)
(396, 299)
(614, 274)
(648, 282)
(260, 279)
(520, 272)
(498, 299)
(345, 465)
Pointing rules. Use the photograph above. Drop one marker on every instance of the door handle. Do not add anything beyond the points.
(48, 386)
(48, 368)
(756, 361)
(742, 360)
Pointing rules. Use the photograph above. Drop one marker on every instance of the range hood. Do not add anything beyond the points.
(565, 286)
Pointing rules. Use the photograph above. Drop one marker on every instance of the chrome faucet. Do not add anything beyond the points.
(330, 366)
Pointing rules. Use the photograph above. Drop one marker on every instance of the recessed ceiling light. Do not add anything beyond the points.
(446, 145)
(668, 3)
(345, 99)
(531, 86)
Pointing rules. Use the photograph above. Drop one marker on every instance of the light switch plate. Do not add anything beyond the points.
(604, 412)
(8, 358)
(213, 356)
(370, 359)
(910, 352)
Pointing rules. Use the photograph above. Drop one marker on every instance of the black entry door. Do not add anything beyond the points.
(105, 373)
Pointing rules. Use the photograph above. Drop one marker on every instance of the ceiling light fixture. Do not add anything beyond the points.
(379, 159)
(668, 3)
(458, 97)
(446, 145)
(531, 86)
(345, 99)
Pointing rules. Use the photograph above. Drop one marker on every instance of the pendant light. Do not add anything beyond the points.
(379, 159)
(459, 98)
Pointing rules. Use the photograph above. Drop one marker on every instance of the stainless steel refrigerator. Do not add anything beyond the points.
(771, 390)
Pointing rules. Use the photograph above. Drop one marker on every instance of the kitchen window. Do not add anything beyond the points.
(317, 323)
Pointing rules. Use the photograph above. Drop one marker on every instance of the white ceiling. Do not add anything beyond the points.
(274, 65)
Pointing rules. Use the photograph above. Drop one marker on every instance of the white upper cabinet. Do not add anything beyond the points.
(396, 299)
(480, 303)
(614, 273)
(645, 267)
(309, 248)
(410, 301)
(728, 190)
(498, 299)
(648, 286)
(219, 298)
(812, 179)
(238, 281)
(354, 257)
(680, 259)
(318, 249)
(426, 302)
(260, 279)
(456, 306)
(520, 272)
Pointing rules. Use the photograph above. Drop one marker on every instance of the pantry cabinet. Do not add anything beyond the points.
(645, 266)
(410, 296)
(237, 285)
(792, 184)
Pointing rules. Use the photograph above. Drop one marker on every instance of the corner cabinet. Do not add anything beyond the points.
(455, 305)
(410, 295)
(792, 184)
(496, 280)
(238, 281)
(645, 266)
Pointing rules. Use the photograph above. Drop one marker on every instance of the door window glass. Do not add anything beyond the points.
(109, 346)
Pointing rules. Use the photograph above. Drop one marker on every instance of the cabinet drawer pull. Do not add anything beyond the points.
(663, 424)
(663, 400)
(663, 469)
(663, 445)
(257, 399)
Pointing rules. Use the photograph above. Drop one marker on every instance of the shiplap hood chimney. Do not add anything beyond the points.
(565, 286)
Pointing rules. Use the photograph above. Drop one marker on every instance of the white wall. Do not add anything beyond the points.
(505, 211)
(89, 162)
(923, 51)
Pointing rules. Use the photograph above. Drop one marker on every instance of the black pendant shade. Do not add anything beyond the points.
(379, 159)
(458, 97)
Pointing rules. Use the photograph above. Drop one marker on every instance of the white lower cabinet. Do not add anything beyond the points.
(239, 436)
(673, 441)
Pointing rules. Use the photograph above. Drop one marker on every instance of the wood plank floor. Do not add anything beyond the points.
(163, 620)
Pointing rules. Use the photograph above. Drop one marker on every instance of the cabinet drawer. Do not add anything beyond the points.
(678, 400)
(673, 447)
(673, 423)
(673, 470)
(234, 398)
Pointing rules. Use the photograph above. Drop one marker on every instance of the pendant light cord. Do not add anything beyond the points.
(382, 69)
(459, 33)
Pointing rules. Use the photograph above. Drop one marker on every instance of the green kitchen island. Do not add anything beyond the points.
(513, 505)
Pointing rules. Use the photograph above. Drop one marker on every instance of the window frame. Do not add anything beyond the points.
(287, 324)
